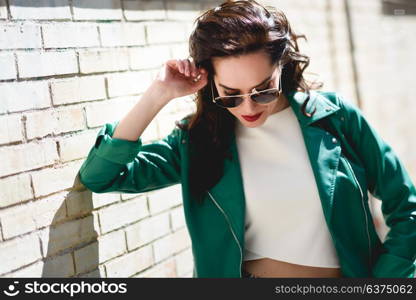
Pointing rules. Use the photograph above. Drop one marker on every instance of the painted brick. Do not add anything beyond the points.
(15, 36)
(96, 273)
(122, 34)
(65, 35)
(69, 119)
(131, 263)
(10, 129)
(52, 180)
(40, 124)
(171, 244)
(79, 89)
(76, 146)
(41, 154)
(43, 9)
(104, 199)
(49, 210)
(63, 236)
(108, 111)
(126, 196)
(183, 106)
(16, 221)
(165, 32)
(24, 218)
(78, 203)
(177, 218)
(170, 108)
(163, 248)
(59, 266)
(181, 239)
(86, 258)
(179, 50)
(182, 10)
(184, 262)
(147, 230)
(119, 215)
(144, 10)
(91, 61)
(148, 57)
(94, 10)
(36, 64)
(111, 245)
(20, 251)
(3, 9)
(23, 96)
(166, 123)
(34, 270)
(205, 5)
(15, 189)
(8, 69)
(163, 199)
(166, 269)
(131, 83)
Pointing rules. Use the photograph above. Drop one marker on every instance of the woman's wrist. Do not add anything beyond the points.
(158, 92)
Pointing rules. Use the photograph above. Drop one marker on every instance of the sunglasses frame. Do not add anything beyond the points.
(253, 92)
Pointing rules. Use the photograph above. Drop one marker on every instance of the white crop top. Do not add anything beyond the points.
(284, 216)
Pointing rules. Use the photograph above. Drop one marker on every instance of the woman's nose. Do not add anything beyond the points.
(248, 104)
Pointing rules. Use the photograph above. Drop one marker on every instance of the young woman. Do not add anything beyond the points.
(274, 174)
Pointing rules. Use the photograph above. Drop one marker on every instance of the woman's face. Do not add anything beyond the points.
(239, 75)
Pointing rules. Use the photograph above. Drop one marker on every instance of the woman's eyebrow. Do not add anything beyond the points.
(261, 83)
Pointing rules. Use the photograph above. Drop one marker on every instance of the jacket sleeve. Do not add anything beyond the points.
(117, 165)
(388, 181)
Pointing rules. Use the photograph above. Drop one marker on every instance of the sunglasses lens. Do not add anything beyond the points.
(229, 101)
(265, 97)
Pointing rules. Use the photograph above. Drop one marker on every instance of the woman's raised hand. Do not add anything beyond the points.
(180, 77)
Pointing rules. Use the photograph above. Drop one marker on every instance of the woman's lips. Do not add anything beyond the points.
(252, 118)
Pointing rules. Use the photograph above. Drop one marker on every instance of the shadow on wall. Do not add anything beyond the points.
(72, 247)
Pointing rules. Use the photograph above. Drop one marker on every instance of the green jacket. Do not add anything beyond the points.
(216, 228)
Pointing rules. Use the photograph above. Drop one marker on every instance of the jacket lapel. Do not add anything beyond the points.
(322, 150)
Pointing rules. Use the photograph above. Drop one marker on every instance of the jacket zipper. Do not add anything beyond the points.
(232, 231)
(362, 201)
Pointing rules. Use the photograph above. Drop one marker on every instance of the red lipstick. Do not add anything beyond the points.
(252, 118)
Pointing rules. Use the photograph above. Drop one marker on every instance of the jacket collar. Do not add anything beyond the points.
(323, 106)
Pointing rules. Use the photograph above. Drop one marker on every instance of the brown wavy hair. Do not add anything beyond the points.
(235, 28)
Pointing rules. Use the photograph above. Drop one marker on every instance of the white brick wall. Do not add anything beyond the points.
(70, 66)
(10, 129)
(18, 35)
(21, 96)
(8, 69)
(69, 35)
(15, 189)
(38, 64)
(19, 252)
(78, 89)
(40, 9)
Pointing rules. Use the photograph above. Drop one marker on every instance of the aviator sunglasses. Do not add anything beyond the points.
(260, 97)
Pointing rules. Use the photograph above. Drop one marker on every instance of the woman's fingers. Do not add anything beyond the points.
(188, 69)
(187, 63)
(180, 66)
(194, 69)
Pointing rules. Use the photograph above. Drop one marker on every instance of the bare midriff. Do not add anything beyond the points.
(267, 267)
